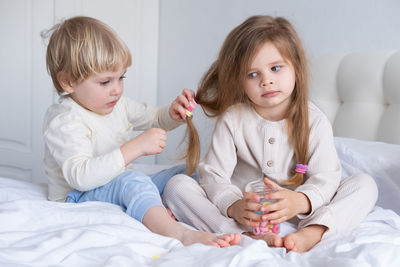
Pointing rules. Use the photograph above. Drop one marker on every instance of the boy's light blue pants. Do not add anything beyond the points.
(134, 191)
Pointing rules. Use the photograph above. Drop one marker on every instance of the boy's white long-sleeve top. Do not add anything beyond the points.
(245, 147)
(82, 148)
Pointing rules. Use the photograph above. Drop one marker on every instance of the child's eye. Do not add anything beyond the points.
(276, 68)
(252, 75)
(122, 77)
(104, 82)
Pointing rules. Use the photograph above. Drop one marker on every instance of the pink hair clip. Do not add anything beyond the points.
(189, 109)
(300, 168)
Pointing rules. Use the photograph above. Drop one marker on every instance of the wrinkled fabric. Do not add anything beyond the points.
(37, 232)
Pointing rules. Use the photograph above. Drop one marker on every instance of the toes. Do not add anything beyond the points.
(215, 244)
(236, 239)
(228, 237)
(232, 239)
(289, 244)
(273, 240)
(222, 243)
(278, 242)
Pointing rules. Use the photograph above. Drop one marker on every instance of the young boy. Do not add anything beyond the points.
(88, 149)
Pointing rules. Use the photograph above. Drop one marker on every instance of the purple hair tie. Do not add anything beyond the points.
(300, 168)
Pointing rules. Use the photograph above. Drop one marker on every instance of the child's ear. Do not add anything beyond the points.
(65, 82)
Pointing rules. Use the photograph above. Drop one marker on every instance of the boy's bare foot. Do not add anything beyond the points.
(159, 221)
(232, 239)
(304, 239)
(272, 240)
(190, 237)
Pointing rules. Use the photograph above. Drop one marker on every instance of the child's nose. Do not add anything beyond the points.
(266, 81)
(116, 90)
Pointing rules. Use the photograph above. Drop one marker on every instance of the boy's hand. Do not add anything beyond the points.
(180, 104)
(150, 142)
(243, 210)
(289, 203)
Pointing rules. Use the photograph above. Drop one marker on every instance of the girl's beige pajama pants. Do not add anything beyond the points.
(354, 199)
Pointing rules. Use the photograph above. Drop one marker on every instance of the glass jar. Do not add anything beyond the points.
(258, 187)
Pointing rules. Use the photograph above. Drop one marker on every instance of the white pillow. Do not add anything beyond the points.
(378, 159)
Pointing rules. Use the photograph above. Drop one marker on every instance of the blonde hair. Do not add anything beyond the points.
(82, 46)
(222, 85)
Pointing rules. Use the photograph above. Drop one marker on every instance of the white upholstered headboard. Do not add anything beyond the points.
(360, 93)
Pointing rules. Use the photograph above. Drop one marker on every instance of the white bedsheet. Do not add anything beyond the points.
(36, 232)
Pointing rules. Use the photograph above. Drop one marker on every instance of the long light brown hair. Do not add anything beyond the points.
(222, 85)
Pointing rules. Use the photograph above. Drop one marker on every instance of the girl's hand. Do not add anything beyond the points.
(177, 109)
(150, 142)
(288, 204)
(243, 210)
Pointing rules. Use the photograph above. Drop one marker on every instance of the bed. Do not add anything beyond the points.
(360, 93)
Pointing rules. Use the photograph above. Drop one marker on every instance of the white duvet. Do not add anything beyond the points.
(36, 232)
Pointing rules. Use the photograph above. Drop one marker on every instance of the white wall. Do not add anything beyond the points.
(192, 31)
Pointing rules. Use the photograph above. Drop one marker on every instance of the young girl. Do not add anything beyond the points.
(267, 130)
(88, 148)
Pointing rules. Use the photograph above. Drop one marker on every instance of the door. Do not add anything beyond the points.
(27, 90)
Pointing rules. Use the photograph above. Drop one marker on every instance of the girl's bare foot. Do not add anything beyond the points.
(304, 239)
(272, 240)
(190, 237)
